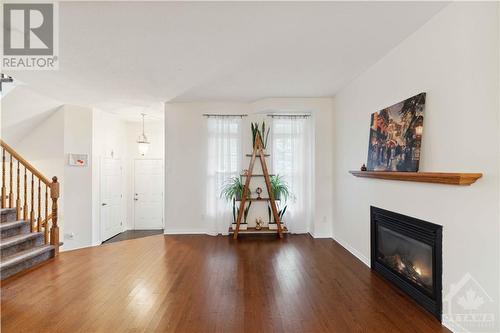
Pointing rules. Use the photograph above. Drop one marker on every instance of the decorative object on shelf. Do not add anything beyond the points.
(261, 133)
(363, 167)
(142, 141)
(244, 172)
(258, 223)
(259, 192)
(396, 136)
(424, 177)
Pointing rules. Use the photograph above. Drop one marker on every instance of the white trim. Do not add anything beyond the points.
(449, 326)
(353, 251)
(132, 227)
(184, 232)
(319, 235)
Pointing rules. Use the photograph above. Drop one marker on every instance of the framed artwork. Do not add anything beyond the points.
(80, 160)
(396, 136)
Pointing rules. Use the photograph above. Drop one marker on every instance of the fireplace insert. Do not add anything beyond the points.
(408, 252)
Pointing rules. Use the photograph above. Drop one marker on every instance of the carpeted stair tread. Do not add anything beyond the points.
(24, 255)
(8, 215)
(11, 241)
(7, 210)
(10, 225)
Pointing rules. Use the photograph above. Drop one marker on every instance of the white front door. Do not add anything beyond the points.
(148, 194)
(111, 197)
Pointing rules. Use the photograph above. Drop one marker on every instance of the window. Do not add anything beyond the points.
(292, 159)
(223, 162)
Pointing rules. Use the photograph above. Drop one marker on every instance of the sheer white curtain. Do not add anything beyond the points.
(223, 162)
(292, 159)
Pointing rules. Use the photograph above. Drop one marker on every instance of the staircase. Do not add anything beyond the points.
(29, 234)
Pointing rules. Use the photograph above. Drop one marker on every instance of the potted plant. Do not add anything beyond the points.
(281, 193)
(261, 133)
(281, 212)
(232, 191)
(280, 187)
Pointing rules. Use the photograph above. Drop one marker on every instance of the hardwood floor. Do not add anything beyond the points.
(209, 284)
(133, 234)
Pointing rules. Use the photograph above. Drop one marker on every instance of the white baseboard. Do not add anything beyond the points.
(450, 326)
(184, 232)
(147, 228)
(353, 251)
(319, 235)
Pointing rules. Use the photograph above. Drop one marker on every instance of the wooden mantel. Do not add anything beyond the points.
(425, 177)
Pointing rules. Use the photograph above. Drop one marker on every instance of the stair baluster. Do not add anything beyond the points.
(4, 189)
(39, 206)
(18, 193)
(32, 211)
(46, 219)
(25, 208)
(54, 232)
(11, 186)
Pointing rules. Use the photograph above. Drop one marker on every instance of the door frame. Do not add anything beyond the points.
(101, 176)
(163, 189)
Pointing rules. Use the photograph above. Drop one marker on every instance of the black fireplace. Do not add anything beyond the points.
(408, 253)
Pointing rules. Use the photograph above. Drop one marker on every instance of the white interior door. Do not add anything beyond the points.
(148, 194)
(111, 197)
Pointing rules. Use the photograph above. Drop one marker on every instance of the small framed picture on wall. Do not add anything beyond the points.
(79, 160)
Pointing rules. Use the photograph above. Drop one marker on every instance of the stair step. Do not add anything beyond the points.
(11, 245)
(9, 229)
(25, 259)
(8, 215)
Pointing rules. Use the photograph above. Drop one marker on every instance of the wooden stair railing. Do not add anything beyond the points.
(24, 179)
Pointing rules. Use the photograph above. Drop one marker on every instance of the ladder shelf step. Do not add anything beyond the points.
(264, 230)
(256, 199)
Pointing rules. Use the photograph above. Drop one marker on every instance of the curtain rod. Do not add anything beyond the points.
(277, 115)
(224, 115)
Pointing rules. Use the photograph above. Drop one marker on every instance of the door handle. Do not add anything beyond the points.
(104, 204)
(135, 199)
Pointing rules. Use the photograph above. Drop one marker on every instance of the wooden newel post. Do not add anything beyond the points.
(54, 231)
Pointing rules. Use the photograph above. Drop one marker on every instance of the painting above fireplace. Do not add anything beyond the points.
(396, 135)
(408, 253)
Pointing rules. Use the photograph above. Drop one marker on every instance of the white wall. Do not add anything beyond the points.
(185, 158)
(44, 146)
(77, 182)
(454, 59)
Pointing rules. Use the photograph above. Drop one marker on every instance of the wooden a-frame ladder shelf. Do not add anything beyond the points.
(258, 152)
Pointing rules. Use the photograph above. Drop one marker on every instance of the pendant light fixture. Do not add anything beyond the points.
(143, 143)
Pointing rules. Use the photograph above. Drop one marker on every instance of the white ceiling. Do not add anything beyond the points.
(127, 57)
